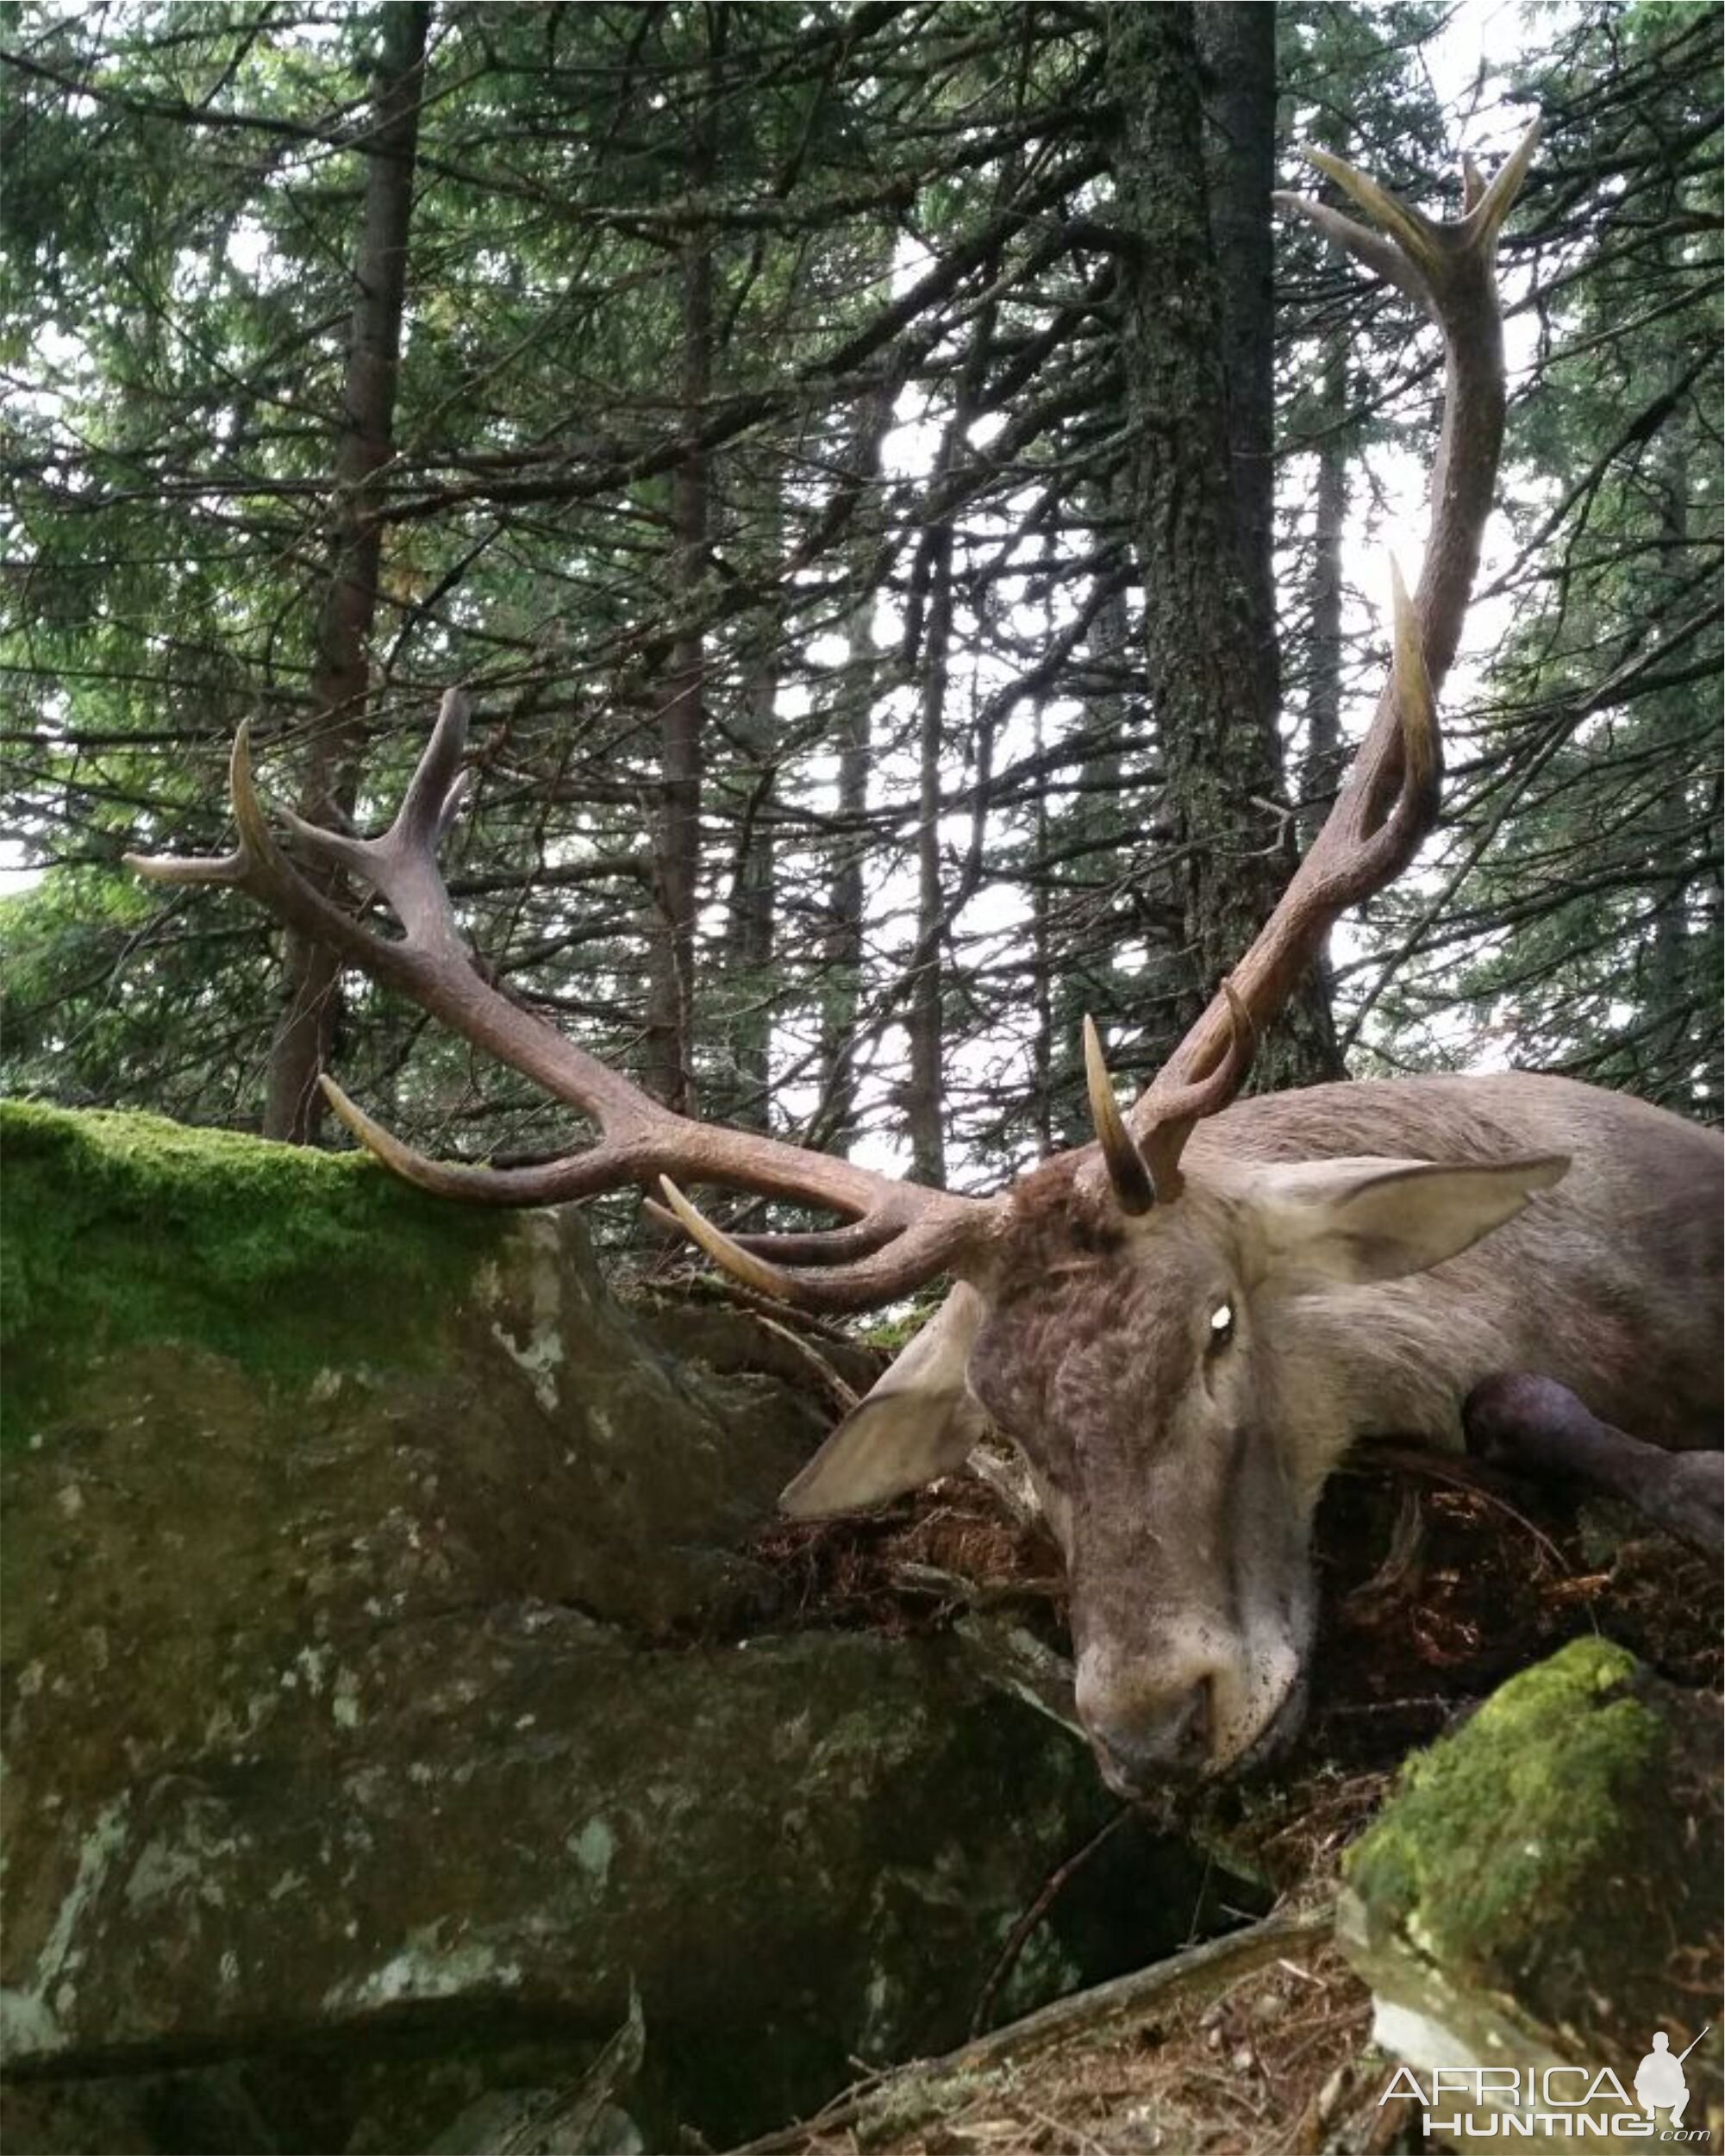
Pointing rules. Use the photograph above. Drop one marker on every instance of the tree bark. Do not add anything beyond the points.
(305, 1032)
(925, 1092)
(1203, 672)
(841, 954)
(1322, 771)
(669, 1070)
(1042, 971)
(1238, 45)
(1671, 979)
(842, 951)
(752, 921)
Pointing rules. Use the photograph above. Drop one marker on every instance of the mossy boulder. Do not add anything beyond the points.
(337, 1401)
(128, 1230)
(798, 1850)
(1543, 1887)
(386, 1692)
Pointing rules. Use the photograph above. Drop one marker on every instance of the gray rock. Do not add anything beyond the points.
(384, 1700)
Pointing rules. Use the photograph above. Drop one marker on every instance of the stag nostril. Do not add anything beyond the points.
(1169, 1743)
(1196, 1727)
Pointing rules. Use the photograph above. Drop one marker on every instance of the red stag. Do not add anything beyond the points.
(1184, 1326)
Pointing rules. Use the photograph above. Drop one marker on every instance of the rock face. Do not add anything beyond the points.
(387, 1694)
(1542, 1893)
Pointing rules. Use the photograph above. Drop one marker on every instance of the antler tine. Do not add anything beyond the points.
(820, 1246)
(1145, 1170)
(547, 1182)
(1390, 800)
(258, 867)
(356, 856)
(1421, 257)
(1170, 1116)
(1486, 211)
(1360, 848)
(433, 795)
(201, 868)
(742, 1265)
(188, 868)
(1134, 1191)
(257, 864)
(439, 782)
(1449, 268)
(910, 1252)
(1408, 231)
(402, 861)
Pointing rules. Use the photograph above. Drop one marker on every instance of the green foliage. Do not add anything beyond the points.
(898, 230)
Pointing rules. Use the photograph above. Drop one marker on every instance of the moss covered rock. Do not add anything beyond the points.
(1543, 1888)
(337, 1403)
(127, 1230)
(382, 1691)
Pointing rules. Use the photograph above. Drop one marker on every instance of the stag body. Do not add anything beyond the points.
(1184, 1326)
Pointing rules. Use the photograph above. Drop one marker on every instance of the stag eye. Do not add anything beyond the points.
(1221, 1326)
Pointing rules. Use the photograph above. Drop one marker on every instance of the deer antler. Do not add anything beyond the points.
(1390, 801)
(897, 1235)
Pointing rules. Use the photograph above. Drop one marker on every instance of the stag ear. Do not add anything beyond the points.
(1376, 1220)
(921, 1421)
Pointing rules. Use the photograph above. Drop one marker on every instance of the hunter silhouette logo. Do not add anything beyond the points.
(1563, 2103)
(1659, 2080)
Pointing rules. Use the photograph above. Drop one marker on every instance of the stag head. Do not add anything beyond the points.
(1157, 1321)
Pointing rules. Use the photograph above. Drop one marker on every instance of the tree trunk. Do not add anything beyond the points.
(842, 951)
(1203, 668)
(1321, 773)
(751, 925)
(305, 1032)
(669, 1070)
(1671, 981)
(1043, 965)
(925, 1092)
(1238, 44)
(841, 955)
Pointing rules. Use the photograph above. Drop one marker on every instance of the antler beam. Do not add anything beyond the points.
(1390, 801)
(897, 1234)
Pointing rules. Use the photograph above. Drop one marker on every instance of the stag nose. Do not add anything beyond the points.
(1149, 1738)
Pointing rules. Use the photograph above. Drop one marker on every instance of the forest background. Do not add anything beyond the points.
(911, 517)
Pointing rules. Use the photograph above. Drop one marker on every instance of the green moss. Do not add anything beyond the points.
(1519, 1819)
(127, 1230)
(898, 1328)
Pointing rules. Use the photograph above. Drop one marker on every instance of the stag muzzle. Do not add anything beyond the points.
(1194, 1702)
(1141, 1752)
(1149, 1723)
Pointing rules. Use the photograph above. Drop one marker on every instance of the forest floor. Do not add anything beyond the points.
(1272, 2059)
(1434, 1592)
